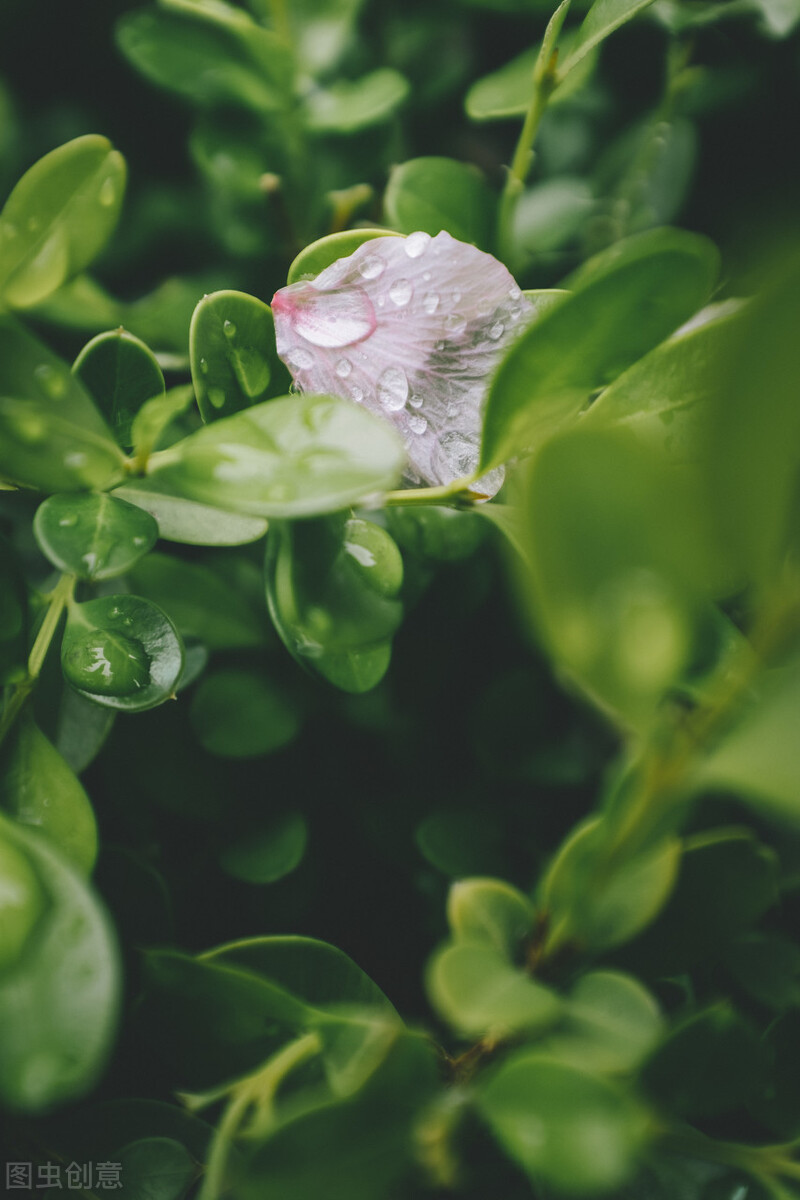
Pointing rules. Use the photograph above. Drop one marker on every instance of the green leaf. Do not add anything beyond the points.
(199, 601)
(93, 536)
(242, 714)
(297, 456)
(601, 20)
(58, 218)
(186, 521)
(156, 1168)
(327, 250)
(23, 902)
(489, 912)
(13, 616)
(710, 1064)
(356, 670)
(120, 373)
(58, 1005)
(507, 91)
(39, 789)
(552, 213)
(51, 435)
(432, 194)
(611, 1023)
(209, 54)
(121, 651)
(767, 967)
(267, 854)
(154, 418)
(232, 349)
(567, 1129)
(436, 533)
(348, 106)
(81, 729)
(461, 841)
(623, 303)
(478, 992)
(605, 908)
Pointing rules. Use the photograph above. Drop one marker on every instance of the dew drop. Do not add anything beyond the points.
(417, 424)
(393, 389)
(76, 459)
(68, 521)
(300, 359)
(51, 380)
(371, 267)
(455, 323)
(484, 307)
(497, 330)
(455, 296)
(416, 401)
(217, 397)
(514, 293)
(426, 275)
(229, 329)
(401, 292)
(416, 244)
(139, 541)
(204, 365)
(343, 368)
(331, 320)
(106, 664)
(430, 303)
(108, 193)
(357, 394)
(29, 428)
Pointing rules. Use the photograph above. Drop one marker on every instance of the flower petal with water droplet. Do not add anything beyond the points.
(425, 321)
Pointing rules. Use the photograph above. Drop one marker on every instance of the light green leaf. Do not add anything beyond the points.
(241, 714)
(182, 520)
(432, 194)
(601, 20)
(489, 912)
(611, 1024)
(347, 106)
(507, 91)
(475, 989)
(120, 373)
(58, 218)
(23, 902)
(154, 418)
(327, 250)
(93, 536)
(297, 456)
(232, 350)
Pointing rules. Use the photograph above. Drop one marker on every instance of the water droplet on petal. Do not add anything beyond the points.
(426, 275)
(357, 394)
(401, 292)
(372, 266)
(343, 368)
(327, 319)
(514, 293)
(416, 401)
(108, 192)
(51, 380)
(455, 324)
(229, 329)
(430, 303)
(300, 359)
(416, 244)
(217, 397)
(455, 296)
(460, 454)
(497, 330)
(393, 389)
(417, 424)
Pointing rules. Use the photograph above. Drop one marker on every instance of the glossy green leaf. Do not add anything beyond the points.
(436, 533)
(478, 992)
(507, 91)
(200, 602)
(51, 435)
(567, 1129)
(58, 1006)
(120, 372)
(186, 521)
(602, 907)
(356, 670)
(156, 1168)
(121, 651)
(242, 714)
(327, 250)
(432, 194)
(624, 302)
(209, 54)
(347, 106)
(489, 912)
(269, 853)
(58, 218)
(602, 19)
(611, 1023)
(13, 616)
(551, 214)
(39, 789)
(232, 349)
(155, 417)
(297, 456)
(93, 536)
(81, 729)
(23, 902)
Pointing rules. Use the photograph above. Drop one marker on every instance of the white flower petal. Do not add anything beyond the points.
(412, 328)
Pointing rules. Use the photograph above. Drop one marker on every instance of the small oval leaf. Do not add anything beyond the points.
(93, 536)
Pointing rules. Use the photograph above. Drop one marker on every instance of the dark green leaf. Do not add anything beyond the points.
(436, 533)
(297, 456)
(242, 714)
(13, 616)
(767, 967)
(58, 1006)
(232, 349)
(120, 373)
(121, 651)
(93, 536)
(269, 853)
(182, 520)
(156, 1168)
(461, 841)
(81, 729)
(432, 194)
(601, 20)
(347, 106)
(58, 218)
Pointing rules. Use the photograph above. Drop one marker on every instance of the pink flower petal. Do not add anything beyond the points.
(412, 328)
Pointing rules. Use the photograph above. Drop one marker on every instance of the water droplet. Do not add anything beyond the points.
(76, 459)
(116, 611)
(460, 453)
(417, 424)
(514, 293)
(401, 292)
(343, 368)
(455, 324)
(106, 664)
(497, 330)
(108, 192)
(371, 267)
(51, 380)
(139, 541)
(328, 319)
(300, 359)
(430, 303)
(217, 397)
(229, 329)
(426, 275)
(361, 554)
(29, 428)
(393, 388)
(485, 306)
(416, 401)
(455, 296)
(68, 521)
(204, 365)
(252, 371)
(416, 244)
(357, 394)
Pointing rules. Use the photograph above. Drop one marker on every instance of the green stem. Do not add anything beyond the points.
(58, 599)
(457, 495)
(543, 86)
(280, 19)
(762, 1162)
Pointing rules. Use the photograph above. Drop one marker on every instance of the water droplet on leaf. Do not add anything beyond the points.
(229, 329)
(51, 380)
(217, 397)
(105, 663)
(108, 192)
